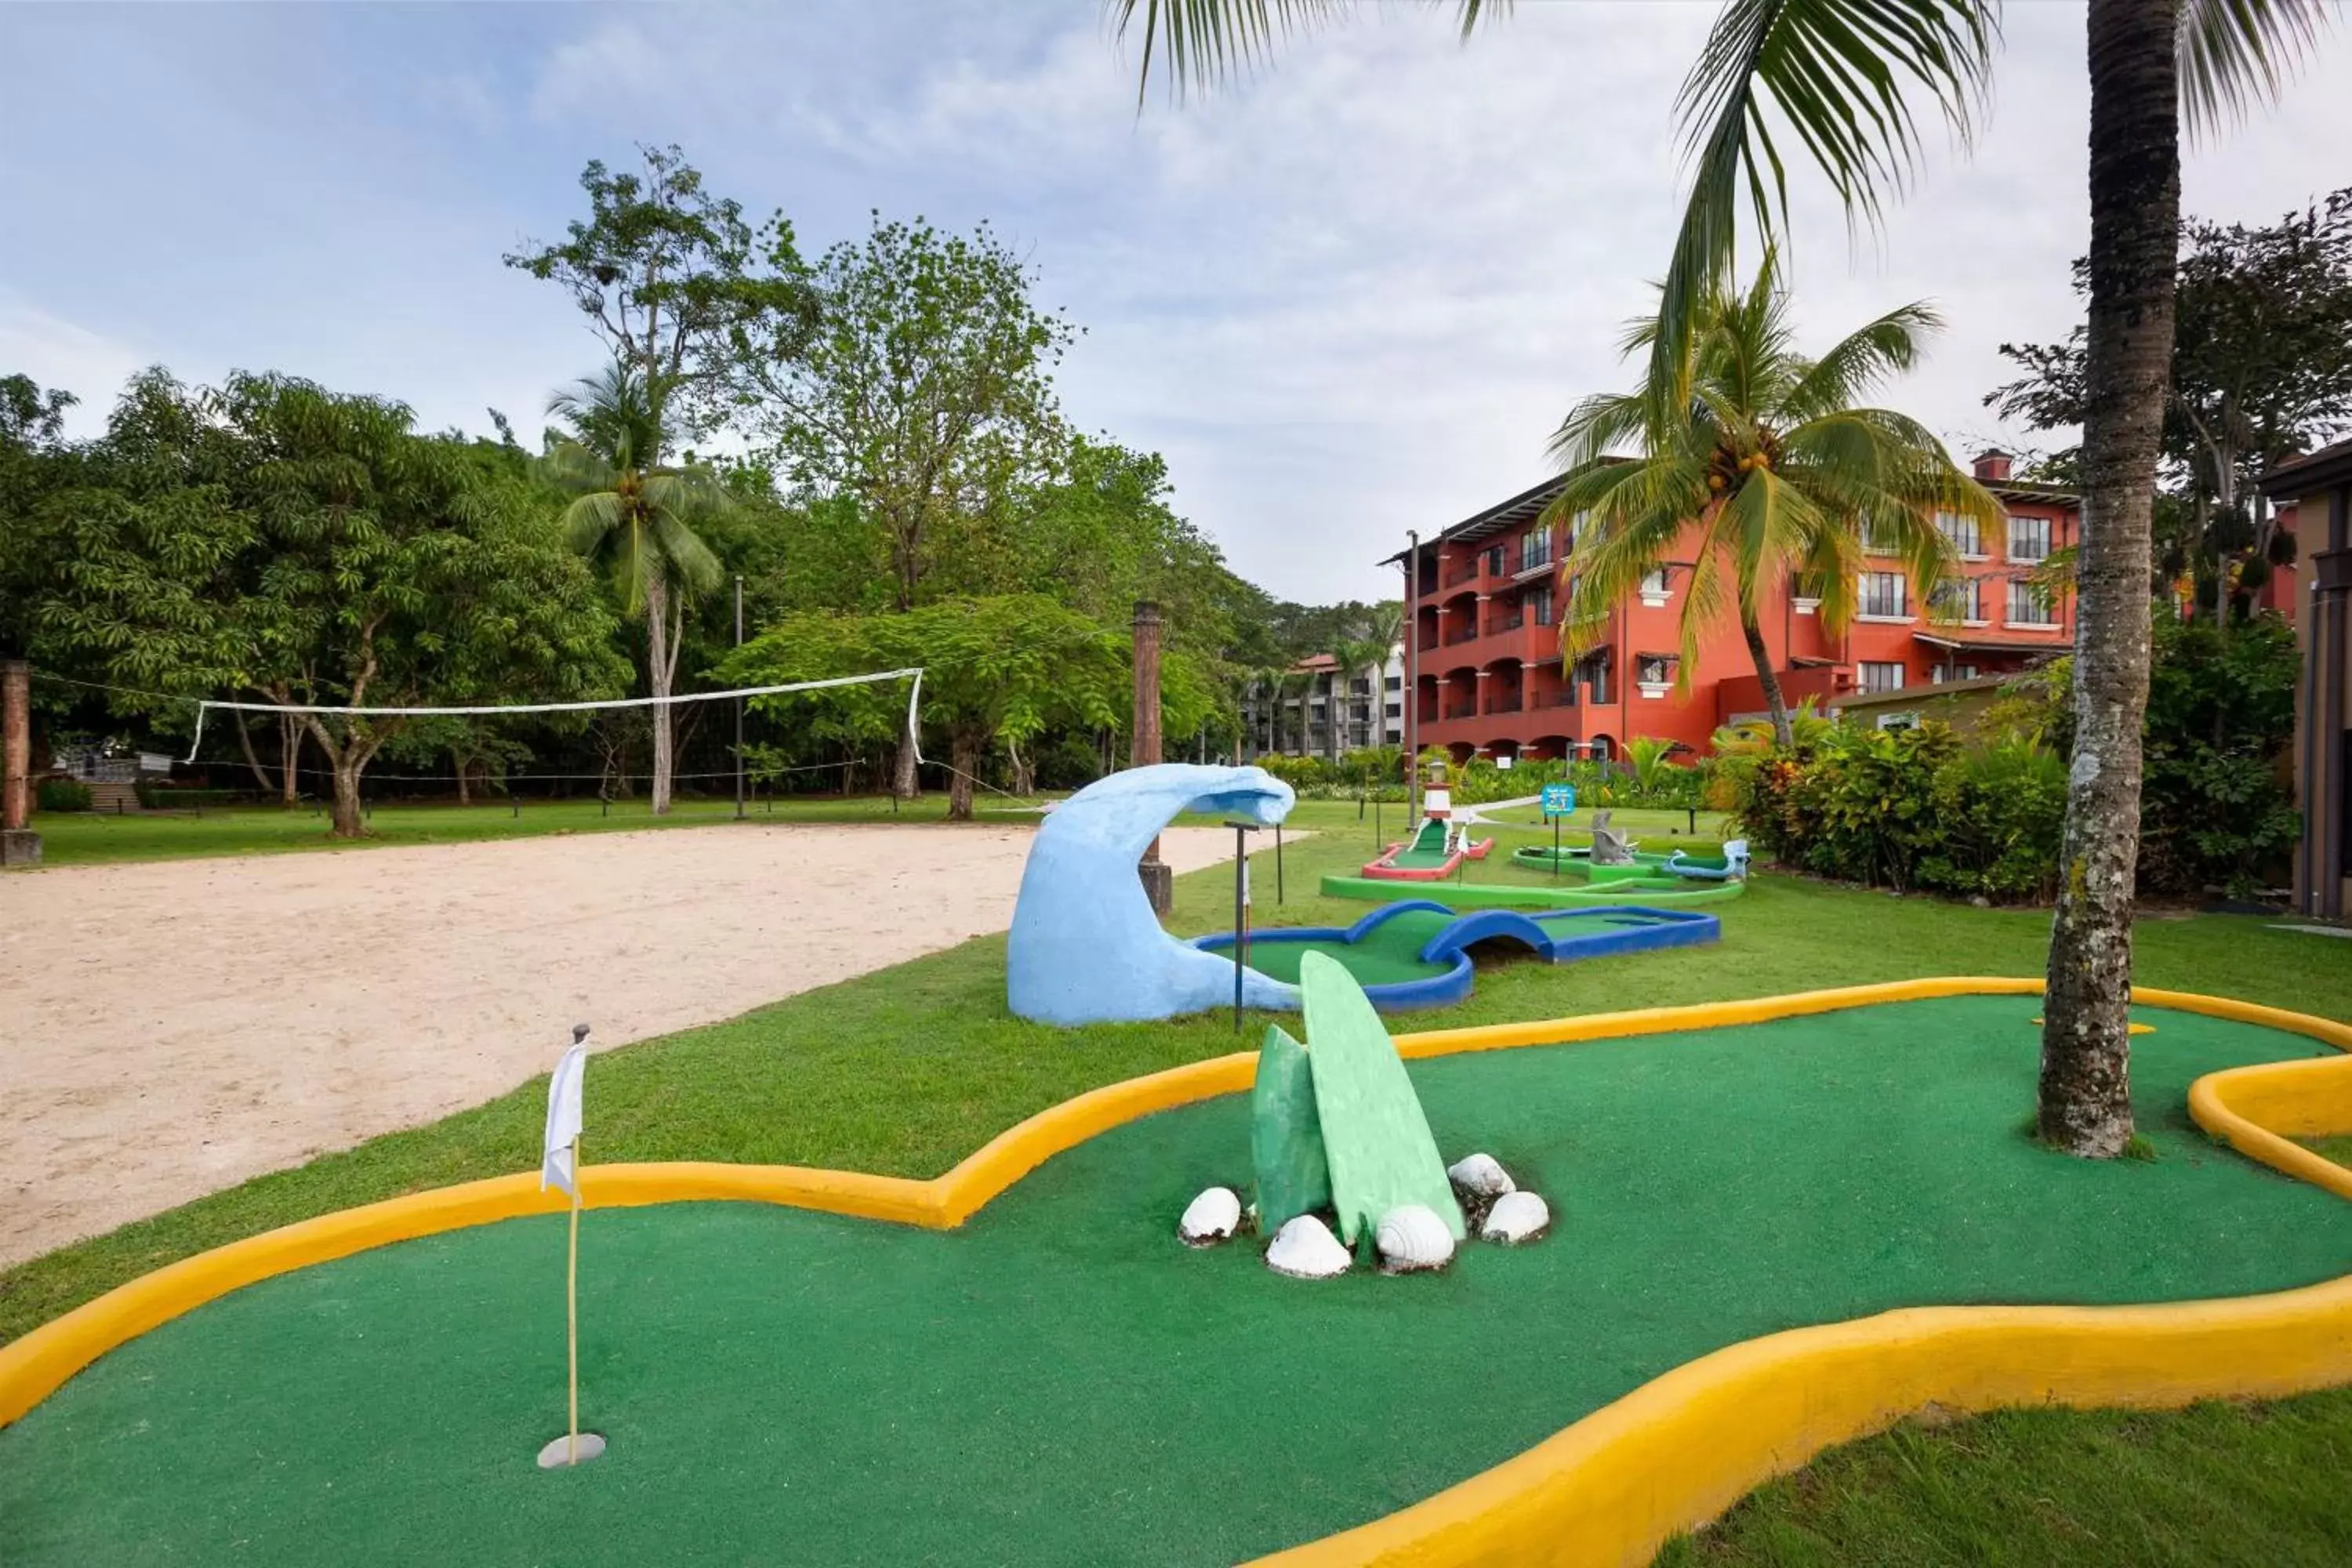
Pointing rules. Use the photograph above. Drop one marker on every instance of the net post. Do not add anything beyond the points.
(739, 702)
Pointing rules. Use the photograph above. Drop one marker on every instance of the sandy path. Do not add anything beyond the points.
(168, 1030)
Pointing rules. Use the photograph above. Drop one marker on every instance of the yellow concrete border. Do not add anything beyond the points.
(1610, 1489)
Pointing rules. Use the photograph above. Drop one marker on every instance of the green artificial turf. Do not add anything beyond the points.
(1390, 952)
(1061, 1382)
(1540, 890)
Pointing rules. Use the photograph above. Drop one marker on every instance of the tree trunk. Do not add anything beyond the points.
(1784, 734)
(905, 783)
(464, 794)
(964, 748)
(253, 763)
(1024, 772)
(657, 673)
(2086, 1089)
(347, 819)
(290, 760)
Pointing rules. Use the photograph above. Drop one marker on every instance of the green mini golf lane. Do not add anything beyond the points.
(1390, 952)
(1062, 1382)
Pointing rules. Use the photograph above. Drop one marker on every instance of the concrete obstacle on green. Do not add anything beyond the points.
(1359, 1134)
(1287, 1135)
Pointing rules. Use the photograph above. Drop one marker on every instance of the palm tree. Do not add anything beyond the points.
(1773, 460)
(639, 519)
(1837, 72)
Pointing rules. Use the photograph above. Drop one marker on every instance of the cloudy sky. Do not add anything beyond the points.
(1350, 298)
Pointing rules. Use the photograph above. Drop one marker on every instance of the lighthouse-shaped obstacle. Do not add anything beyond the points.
(1438, 845)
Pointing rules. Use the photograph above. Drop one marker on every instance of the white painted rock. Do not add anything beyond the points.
(1516, 1218)
(1481, 1175)
(1410, 1237)
(1209, 1218)
(1304, 1248)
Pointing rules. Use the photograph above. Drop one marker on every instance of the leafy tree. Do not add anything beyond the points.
(33, 461)
(638, 519)
(2262, 371)
(1777, 463)
(1838, 73)
(670, 277)
(275, 539)
(1000, 667)
(922, 391)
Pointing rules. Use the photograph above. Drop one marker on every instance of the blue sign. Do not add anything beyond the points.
(1559, 800)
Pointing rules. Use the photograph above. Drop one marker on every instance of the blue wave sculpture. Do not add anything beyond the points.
(1085, 947)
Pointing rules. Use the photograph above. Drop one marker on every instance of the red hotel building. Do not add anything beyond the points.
(1486, 597)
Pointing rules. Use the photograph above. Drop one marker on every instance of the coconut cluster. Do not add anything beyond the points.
(1410, 1238)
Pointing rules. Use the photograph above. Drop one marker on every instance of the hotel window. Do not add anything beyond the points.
(1655, 668)
(1539, 604)
(1959, 599)
(1496, 559)
(1575, 527)
(1881, 677)
(1882, 593)
(1535, 549)
(1594, 668)
(2030, 605)
(1653, 584)
(1943, 672)
(2029, 538)
(1961, 533)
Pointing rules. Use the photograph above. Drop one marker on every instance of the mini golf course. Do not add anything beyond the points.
(1647, 886)
(1425, 857)
(1060, 1381)
(1418, 953)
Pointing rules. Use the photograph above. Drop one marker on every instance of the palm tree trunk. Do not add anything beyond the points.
(2086, 1089)
(1768, 678)
(658, 674)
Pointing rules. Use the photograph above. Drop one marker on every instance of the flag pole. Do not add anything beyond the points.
(559, 1163)
(572, 1313)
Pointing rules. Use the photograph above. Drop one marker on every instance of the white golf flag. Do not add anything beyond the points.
(563, 1121)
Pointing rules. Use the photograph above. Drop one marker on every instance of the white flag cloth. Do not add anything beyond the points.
(562, 1121)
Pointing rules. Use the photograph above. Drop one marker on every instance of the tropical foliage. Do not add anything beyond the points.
(1770, 466)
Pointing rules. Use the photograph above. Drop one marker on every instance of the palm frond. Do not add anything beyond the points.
(2235, 51)
(1834, 72)
(689, 560)
(1206, 43)
(592, 518)
(1864, 357)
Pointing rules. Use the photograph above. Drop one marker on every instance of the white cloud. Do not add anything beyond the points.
(57, 353)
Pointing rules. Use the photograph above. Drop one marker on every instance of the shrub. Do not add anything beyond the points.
(2215, 810)
(1910, 809)
(62, 795)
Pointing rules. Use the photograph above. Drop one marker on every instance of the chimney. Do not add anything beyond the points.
(1993, 467)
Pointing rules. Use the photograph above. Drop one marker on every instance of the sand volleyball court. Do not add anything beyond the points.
(170, 1029)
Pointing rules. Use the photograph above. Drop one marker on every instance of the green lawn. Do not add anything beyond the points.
(90, 838)
(1061, 1382)
(907, 1071)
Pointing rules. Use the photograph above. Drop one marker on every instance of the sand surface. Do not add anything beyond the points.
(167, 1030)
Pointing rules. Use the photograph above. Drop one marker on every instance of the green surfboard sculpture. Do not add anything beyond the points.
(1376, 1138)
(1285, 1134)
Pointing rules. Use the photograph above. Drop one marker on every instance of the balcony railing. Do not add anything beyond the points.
(1564, 698)
(1498, 627)
(1467, 634)
(1461, 574)
(1463, 710)
(1511, 704)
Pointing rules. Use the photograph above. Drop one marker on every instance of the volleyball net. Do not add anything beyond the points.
(720, 740)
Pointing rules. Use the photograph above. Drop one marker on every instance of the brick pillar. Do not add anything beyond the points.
(1159, 877)
(19, 845)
